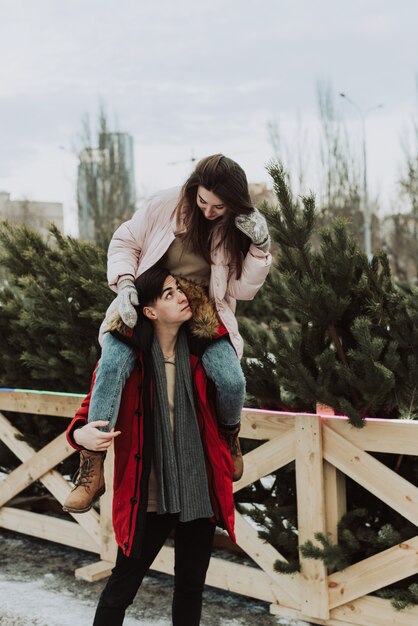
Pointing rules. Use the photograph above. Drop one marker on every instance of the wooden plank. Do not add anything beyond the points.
(53, 480)
(95, 571)
(335, 499)
(370, 611)
(373, 573)
(257, 424)
(47, 527)
(109, 546)
(393, 436)
(12, 438)
(34, 468)
(291, 614)
(366, 611)
(371, 474)
(311, 512)
(248, 581)
(287, 586)
(40, 402)
(266, 459)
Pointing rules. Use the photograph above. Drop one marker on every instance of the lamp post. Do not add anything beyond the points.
(366, 205)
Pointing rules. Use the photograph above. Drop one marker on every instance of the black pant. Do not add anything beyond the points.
(192, 550)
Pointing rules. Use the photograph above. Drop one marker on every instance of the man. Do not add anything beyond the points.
(173, 468)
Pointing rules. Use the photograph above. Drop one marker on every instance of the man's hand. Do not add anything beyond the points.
(254, 226)
(90, 437)
(126, 301)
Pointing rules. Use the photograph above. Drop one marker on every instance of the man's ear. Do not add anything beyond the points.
(149, 312)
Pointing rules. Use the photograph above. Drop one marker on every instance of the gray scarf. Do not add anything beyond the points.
(178, 454)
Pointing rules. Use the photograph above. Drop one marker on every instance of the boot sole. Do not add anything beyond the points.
(97, 495)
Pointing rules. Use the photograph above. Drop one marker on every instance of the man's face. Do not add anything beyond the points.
(172, 308)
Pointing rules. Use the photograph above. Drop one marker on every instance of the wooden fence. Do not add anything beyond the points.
(325, 448)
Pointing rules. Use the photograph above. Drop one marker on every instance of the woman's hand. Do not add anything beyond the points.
(89, 436)
(126, 300)
(254, 226)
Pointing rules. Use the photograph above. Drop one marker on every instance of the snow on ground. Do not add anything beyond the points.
(30, 604)
(38, 588)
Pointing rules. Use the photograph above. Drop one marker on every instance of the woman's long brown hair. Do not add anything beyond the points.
(227, 180)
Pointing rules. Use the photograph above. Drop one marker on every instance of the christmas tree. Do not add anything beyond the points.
(343, 334)
(351, 337)
(52, 300)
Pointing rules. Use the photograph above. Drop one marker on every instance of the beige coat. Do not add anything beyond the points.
(141, 241)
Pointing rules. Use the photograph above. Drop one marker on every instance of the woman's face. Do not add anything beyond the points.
(211, 206)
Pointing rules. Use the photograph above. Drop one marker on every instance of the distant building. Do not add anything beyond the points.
(36, 215)
(98, 169)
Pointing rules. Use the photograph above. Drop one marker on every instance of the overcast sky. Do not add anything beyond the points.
(183, 76)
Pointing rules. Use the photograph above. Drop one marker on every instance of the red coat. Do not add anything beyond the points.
(133, 455)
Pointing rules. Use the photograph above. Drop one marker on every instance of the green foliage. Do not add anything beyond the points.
(271, 503)
(359, 537)
(332, 555)
(400, 598)
(51, 305)
(344, 333)
(349, 339)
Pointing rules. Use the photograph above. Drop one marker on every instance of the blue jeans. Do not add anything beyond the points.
(219, 360)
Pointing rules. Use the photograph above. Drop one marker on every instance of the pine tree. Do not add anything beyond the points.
(51, 305)
(345, 335)
(350, 330)
(52, 300)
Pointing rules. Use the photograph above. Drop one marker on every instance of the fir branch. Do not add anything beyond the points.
(286, 567)
(332, 555)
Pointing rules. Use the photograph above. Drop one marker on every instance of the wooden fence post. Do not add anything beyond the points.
(335, 499)
(311, 512)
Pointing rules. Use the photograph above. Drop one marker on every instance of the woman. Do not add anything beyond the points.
(208, 232)
(172, 468)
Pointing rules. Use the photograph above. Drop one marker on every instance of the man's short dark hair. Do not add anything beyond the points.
(149, 285)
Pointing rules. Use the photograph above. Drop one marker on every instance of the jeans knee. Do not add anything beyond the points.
(233, 384)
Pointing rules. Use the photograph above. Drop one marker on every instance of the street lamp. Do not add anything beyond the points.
(366, 205)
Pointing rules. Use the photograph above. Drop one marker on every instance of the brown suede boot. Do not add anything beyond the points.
(231, 437)
(89, 483)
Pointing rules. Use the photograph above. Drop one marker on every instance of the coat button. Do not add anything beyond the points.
(134, 500)
(137, 456)
(126, 544)
(138, 412)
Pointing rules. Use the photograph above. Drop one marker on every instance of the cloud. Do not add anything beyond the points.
(186, 74)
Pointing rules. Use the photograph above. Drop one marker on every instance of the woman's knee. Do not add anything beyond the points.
(222, 366)
(230, 380)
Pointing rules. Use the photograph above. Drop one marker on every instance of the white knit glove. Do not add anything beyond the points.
(254, 226)
(126, 300)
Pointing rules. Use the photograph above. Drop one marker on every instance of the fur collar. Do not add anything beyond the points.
(204, 323)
